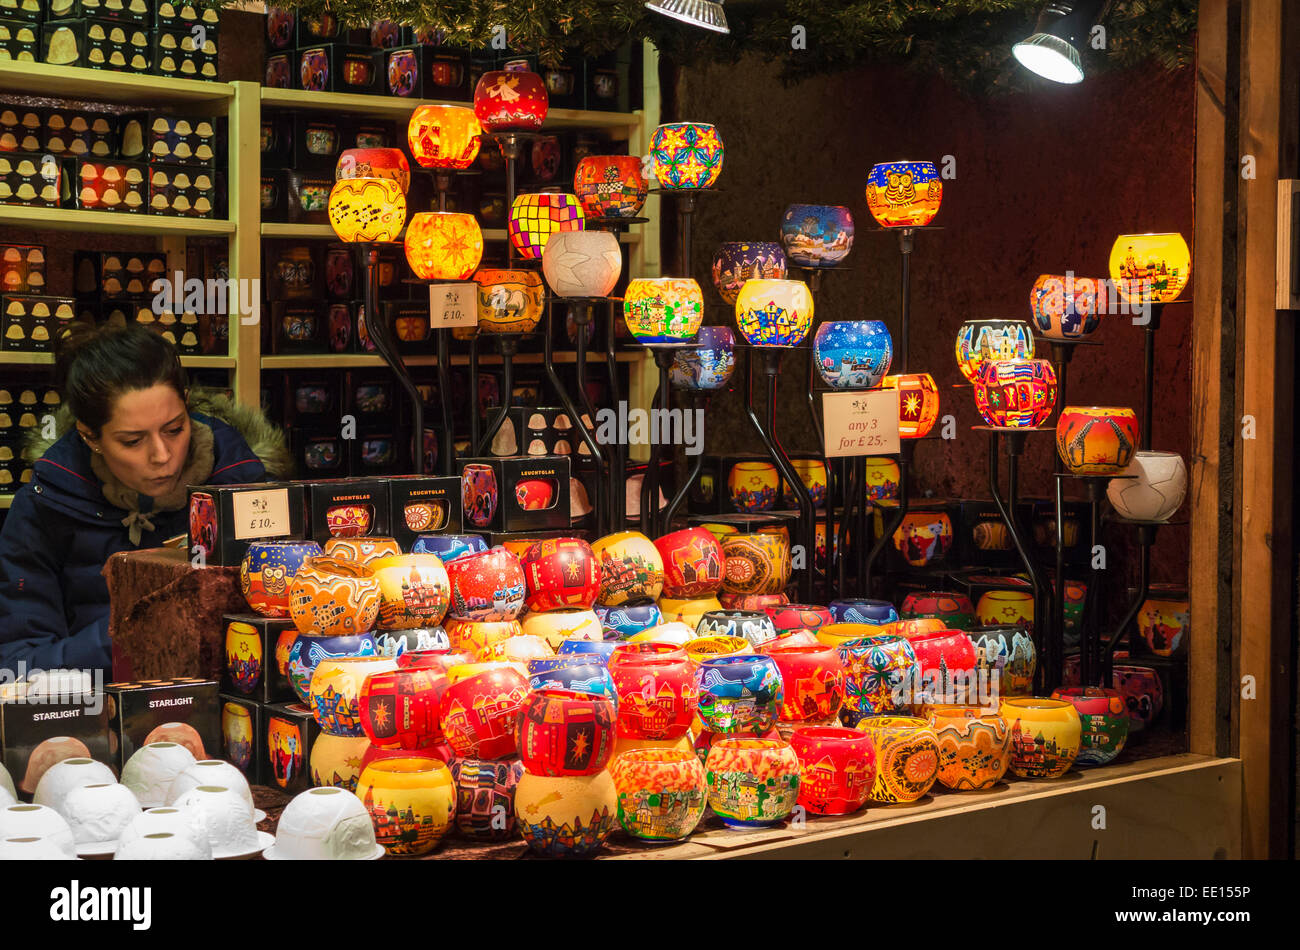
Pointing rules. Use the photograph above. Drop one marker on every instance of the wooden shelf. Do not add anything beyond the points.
(208, 362)
(364, 360)
(110, 222)
(10, 358)
(103, 85)
(302, 232)
(396, 107)
(6, 501)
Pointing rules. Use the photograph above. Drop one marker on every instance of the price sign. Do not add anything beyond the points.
(453, 305)
(261, 514)
(860, 423)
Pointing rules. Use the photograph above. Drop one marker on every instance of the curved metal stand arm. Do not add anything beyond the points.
(1146, 538)
(382, 334)
(509, 346)
(696, 402)
(895, 518)
(617, 451)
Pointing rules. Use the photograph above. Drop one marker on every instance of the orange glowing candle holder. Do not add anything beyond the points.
(1150, 268)
(444, 136)
(443, 245)
(367, 209)
(918, 403)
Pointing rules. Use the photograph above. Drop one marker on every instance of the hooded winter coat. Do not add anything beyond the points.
(65, 524)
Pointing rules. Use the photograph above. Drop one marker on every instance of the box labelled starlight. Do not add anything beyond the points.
(340, 67)
(21, 129)
(20, 41)
(182, 190)
(242, 735)
(35, 735)
(225, 519)
(97, 43)
(182, 710)
(422, 504)
(515, 494)
(290, 731)
(29, 178)
(179, 140)
(256, 651)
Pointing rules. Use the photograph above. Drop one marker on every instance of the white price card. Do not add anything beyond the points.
(261, 514)
(453, 305)
(860, 422)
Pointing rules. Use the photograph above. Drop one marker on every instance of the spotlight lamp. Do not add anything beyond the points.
(702, 13)
(1052, 51)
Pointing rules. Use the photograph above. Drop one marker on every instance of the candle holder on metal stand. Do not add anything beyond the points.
(618, 451)
(686, 207)
(582, 318)
(1015, 439)
(697, 400)
(906, 453)
(382, 335)
(771, 357)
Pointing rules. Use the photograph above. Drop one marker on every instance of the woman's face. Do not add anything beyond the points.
(146, 440)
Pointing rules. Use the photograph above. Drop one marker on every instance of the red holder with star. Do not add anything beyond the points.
(564, 732)
(561, 572)
(399, 709)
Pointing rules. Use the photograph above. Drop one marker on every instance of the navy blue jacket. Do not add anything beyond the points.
(58, 536)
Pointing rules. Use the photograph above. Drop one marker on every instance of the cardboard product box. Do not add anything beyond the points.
(36, 734)
(542, 430)
(22, 268)
(183, 190)
(183, 329)
(340, 67)
(281, 28)
(333, 507)
(1040, 527)
(97, 43)
(292, 270)
(340, 326)
(518, 542)
(423, 504)
(25, 408)
(242, 735)
(371, 396)
(107, 185)
(181, 53)
(76, 133)
(321, 453)
(290, 731)
(564, 83)
(314, 30)
(316, 142)
(383, 34)
(279, 69)
(276, 140)
(20, 41)
(307, 198)
(409, 322)
(925, 541)
(515, 494)
(170, 13)
(22, 129)
(427, 72)
(178, 140)
(30, 323)
(183, 710)
(12, 462)
(29, 10)
(110, 274)
(136, 11)
(983, 538)
(28, 178)
(298, 326)
(257, 649)
(274, 195)
(373, 133)
(381, 450)
(225, 519)
(314, 399)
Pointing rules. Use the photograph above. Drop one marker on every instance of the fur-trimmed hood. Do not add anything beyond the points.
(265, 440)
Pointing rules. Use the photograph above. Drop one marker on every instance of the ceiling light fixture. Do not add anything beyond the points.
(1053, 50)
(704, 13)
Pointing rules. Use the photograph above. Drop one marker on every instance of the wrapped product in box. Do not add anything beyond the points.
(138, 11)
(174, 139)
(116, 273)
(182, 190)
(22, 268)
(30, 323)
(185, 54)
(20, 41)
(340, 67)
(107, 185)
(96, 43)
(21, 129)
(32, 179)
(75, 133)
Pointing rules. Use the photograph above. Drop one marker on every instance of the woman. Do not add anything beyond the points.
(115, 482)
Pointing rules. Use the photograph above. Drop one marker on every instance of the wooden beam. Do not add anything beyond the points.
(1267, 394)
(1213, 429)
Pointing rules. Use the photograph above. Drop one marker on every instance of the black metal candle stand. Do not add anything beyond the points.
(651, 515)
(688, 200)
(509, 344)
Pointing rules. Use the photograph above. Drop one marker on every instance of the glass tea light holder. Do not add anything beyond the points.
(535, 217)
(904, 194)
(443, 245)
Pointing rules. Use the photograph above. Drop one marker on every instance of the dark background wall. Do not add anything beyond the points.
(1045, 181)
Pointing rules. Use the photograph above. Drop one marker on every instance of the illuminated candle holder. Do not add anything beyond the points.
(817, 235)
(610, 186)
(1015, 394)
(904, 194)
(443, 245)
(511, 100)
(983, 341)
(367, 209)
(1066, 307)
(1150, 268)
(687, 154)
(738, 261)
(853, 354)
(582, 263)
(1096, 440)
(444, 136)
(918, 403)
(374, 163)
(535, 217)
(774, 312)
(663, 309)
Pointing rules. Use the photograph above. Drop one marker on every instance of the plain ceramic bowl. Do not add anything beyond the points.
(228, 820)
(161, 846)
(177, 821)
(7, 782)
(63, 777)
(97, 815)
(150, 772)
(31, 848)
(325, 824)
(214, 772)
(37, 821)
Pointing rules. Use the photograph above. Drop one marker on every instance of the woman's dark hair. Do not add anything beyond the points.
(95, 365)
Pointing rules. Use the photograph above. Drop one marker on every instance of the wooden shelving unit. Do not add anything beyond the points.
(241, 103)
(362, 360)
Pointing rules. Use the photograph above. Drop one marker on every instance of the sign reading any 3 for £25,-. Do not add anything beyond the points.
(861, 422)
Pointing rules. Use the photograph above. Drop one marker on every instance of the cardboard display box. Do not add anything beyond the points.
(422, 504)
(116, 273)
(242, 736)
(20, 41)
(35, 735)
(515, 494)
(97, 43)
(182, 710)
(225, 519)
(30, 323)
(31, 178)
(340, 67)
(22, 268)
(332, 500)
(290, 730)
(257, 648)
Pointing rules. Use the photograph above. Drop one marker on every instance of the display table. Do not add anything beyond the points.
(165, 616)
(1178, 806)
